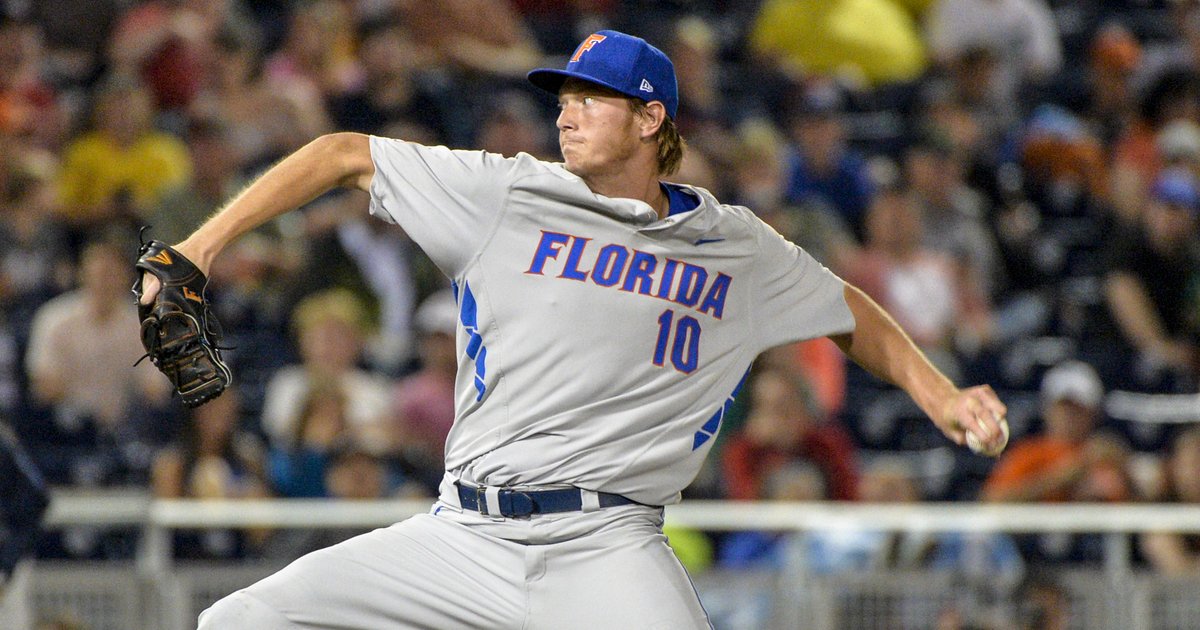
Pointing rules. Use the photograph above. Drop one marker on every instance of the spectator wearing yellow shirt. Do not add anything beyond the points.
(871, 42)
(124, 166)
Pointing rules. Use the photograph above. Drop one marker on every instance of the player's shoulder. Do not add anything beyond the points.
(729, 216)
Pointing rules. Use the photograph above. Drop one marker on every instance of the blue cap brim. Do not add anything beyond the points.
(552, 79)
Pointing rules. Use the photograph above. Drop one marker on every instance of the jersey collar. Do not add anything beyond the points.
(692, 224)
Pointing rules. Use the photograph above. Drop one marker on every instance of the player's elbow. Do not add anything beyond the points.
(351, 152)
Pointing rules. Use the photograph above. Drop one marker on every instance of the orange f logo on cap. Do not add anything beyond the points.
(587, 44)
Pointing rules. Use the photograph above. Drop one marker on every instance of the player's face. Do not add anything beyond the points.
(597, 130)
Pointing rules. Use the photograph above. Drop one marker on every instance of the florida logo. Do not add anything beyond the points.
(587, 44)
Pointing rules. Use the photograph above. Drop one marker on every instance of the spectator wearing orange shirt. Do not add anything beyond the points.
(1070, 460)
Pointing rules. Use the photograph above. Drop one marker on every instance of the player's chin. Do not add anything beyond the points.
(573, 163)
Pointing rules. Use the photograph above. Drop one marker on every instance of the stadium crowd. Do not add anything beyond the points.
(1016, 181)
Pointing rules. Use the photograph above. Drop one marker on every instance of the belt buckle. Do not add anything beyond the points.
(480, 500)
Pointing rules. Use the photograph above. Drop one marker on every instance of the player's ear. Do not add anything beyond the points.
(652, 118)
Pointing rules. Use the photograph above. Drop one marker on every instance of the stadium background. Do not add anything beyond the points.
(1015, 180)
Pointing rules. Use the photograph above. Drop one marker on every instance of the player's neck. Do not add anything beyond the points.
(643, 186)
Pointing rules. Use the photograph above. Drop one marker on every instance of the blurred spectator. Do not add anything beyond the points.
(1065, 162)
(350, 474)
(862, 41)
(29, 104)
(1178, 48)
(330, 328)
(978, 85)
(975, 127)
(797, 480)
(513, 126)
(424, 401)
(355, 250)
(821, 166)
(266, 120)
(1069, 461)
(1179, 144)
(35, 261)
(758, 169)
(82, 351)
(954, 215)
(1020, 35)
(694, 47)
(1150, 283)
(474, 35)
(1174, 553)
(213, 459)
(1136, 158)
(925, 290)
(857, 549)
(759, 181)
(698, 168)
(693, 50)
(76, 36)
(559, 25)
(298, 464)
(317, 54)
(397, 85)
(123, 167)
(357, 475)
(168, 44)
(248, 284)
(785, 425)
(1114, 56)
(976, 559)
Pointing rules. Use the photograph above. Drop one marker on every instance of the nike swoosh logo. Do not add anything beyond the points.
(708, 240)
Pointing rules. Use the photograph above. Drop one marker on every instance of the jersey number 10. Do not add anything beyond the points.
(685, 351)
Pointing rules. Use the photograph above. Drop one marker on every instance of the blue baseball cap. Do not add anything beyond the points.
(619, 62)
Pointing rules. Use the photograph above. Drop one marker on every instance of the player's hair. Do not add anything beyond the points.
(670, 144)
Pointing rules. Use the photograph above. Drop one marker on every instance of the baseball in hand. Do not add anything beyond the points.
(978, 447)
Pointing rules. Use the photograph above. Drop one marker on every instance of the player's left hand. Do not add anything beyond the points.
(978, 411)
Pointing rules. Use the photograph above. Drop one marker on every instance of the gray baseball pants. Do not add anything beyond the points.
(450, 569)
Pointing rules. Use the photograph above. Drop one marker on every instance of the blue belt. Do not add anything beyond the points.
(516, 503)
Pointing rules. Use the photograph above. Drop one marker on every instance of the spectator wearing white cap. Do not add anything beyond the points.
(423, 403)
(1070, 460)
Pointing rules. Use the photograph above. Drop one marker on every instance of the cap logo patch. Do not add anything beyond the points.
(646, 87)
(587, 44)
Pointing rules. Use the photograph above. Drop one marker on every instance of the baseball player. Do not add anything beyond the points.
(606, 320)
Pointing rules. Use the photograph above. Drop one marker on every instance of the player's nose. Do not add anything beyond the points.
(566, 120)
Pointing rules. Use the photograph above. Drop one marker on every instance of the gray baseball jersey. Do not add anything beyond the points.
(600, 346)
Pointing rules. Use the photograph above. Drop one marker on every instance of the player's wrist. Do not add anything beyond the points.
(197, 252)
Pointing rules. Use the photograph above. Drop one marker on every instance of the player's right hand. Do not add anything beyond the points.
(977, 410)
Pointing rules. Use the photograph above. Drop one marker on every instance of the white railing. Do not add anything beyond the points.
(90, 508)
(170, 585)
(158, 517)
